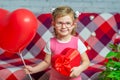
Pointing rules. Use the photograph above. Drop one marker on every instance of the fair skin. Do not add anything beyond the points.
(63, 34)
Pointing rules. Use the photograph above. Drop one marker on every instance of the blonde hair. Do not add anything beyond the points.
(63, 11)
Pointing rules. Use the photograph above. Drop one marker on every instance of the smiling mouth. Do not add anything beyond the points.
(64, 31)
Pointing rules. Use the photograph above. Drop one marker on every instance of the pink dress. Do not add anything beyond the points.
(56, 47)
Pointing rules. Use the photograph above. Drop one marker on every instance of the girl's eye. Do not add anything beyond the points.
(68, 23)
(60, 24)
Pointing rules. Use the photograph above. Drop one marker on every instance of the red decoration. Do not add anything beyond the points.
(3, 14)
(18, 31)
(68, 59)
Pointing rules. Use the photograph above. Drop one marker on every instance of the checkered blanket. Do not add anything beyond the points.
(96, 30)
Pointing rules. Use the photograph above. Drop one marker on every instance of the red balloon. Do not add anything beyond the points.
(19, 30)
(3, 14)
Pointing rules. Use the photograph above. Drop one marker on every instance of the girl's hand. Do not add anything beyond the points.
(75, 72)
(29, 70)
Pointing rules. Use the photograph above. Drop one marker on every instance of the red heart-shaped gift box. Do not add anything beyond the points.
(64, 62)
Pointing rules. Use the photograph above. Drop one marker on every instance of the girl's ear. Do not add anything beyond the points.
(53, 23)
(76, 20)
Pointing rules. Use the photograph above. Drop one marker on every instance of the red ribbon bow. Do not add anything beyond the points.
(62, 65)
(64, 62)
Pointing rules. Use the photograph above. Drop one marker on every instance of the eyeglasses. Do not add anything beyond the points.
(67, 24)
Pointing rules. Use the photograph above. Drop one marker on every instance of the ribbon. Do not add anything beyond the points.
(63, 63)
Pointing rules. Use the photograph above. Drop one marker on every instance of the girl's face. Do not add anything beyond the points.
(63, 25)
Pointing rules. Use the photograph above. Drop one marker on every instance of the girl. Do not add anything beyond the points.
(64, 24)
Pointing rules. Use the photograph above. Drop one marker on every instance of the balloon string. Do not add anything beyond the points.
(24, 64)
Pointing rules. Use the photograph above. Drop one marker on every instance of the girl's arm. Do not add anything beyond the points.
(40, 67)
(75, 71)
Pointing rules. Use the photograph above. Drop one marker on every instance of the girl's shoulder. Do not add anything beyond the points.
(75, 37)
(52, 38)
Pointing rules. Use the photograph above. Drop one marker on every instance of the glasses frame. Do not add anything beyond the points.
(66, 24)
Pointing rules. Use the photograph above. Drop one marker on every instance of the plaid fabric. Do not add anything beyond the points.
(95, 30)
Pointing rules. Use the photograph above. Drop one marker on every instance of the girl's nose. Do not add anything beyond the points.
(63, 25)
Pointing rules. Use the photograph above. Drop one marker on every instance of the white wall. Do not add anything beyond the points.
(42, 6)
